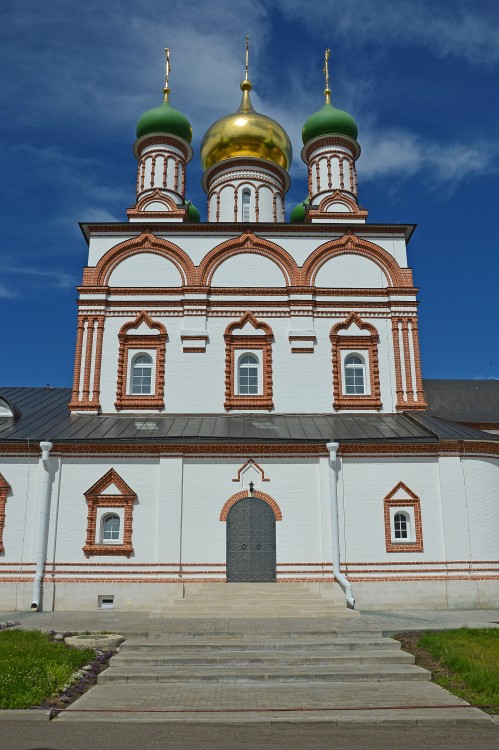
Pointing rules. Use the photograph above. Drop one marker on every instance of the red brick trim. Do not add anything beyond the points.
(256, 493)
(250, 462)
(401, 341)
(321, 211)
(171, 210)
(5, 488)
(351, 244)
(83, 359)
(156, 342)
(96, 499)
(412, 502)
(262, 342)
(144, 243)
(341, 343)
(248, 243)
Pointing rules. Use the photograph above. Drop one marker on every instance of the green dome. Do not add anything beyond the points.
(329, 121)
(193, 215)
(298, 213)
(165, 119)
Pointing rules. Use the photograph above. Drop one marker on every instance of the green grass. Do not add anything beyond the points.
(32, 667)
(471, 657)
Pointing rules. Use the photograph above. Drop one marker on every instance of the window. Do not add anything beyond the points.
(111, 528)
(355, 379)
(248, 364)
(246, 196)
(401, 526)
(109, 520)
(248, 375)
(141, 364)
(142, 374)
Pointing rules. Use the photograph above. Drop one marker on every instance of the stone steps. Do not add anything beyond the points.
(167, 645)
(273, 673)
(250, 658)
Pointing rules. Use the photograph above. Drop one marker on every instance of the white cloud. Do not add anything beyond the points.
(7, 292)
(402, 155)
(462, 30)
(59, 279)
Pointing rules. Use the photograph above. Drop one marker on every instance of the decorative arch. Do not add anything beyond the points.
(350, 243)
(262, 343)
(316, 212)
(97, 498)
(156, 195)
(99, 276)
(248, 317)
(342, 345)
(5, 488)
(248, 243)
(154, 344)
(243, 494)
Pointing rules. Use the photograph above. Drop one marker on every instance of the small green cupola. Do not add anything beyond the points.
(165, 119)
(329, 121)
(299, 212)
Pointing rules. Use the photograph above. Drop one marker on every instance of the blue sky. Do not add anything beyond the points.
(420, 78)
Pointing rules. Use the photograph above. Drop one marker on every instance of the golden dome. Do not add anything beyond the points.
(246, 134)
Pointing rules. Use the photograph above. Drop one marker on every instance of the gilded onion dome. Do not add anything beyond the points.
(246, 133)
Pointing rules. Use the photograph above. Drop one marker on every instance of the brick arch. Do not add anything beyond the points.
(248, 243)
(142, 317)
(343, 325)
(248, 317)
(243, 494)
(156, 195)
(99, 276)
(350, 243)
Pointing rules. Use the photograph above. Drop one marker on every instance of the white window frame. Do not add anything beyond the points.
(411, 530)
(132, 355)
(99, 525)
(363, 354)
(238, 355)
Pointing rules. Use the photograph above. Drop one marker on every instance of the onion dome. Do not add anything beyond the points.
(299, 212)
(246, 134)
(165, 119)
(329, 121)
(193, 215)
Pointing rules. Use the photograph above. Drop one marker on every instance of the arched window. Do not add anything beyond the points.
(142, 374)
(111, 528)
(401, 526)
(355, 375)
(246, 198)
(248, 375)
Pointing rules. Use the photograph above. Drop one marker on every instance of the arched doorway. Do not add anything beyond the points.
(251, 552)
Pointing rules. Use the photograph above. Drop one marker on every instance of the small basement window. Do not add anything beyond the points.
(105, 601)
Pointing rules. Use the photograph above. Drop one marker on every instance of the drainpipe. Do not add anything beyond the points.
(43, 530)
(335, 527)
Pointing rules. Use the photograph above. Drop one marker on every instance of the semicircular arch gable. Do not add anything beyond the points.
(244, 494)
(351, 244)
(145, 243)
(248, 243)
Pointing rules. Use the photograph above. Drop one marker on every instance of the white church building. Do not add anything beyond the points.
(248, 402)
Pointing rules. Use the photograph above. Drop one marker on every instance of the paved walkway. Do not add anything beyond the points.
(128, 623)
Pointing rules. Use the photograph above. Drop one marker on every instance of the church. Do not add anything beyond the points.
(248, 402)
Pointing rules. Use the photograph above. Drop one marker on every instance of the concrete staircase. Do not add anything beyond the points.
(255, 600)
(261, 672)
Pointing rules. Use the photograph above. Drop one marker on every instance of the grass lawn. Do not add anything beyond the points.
(464, 661)
(33, 667)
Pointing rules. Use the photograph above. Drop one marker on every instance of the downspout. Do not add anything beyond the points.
(335, 526)
(43, 527)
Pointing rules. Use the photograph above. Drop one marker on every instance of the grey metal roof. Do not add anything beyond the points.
(42, 413)
(463, 400)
